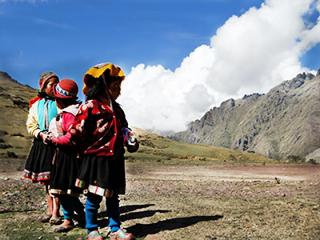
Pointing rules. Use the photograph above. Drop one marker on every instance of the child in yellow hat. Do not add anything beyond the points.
(98, 132)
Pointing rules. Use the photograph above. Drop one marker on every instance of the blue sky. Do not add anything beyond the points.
(181, 57)
(69, 36)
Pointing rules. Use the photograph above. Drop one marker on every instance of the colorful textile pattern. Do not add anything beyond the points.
(97, 120)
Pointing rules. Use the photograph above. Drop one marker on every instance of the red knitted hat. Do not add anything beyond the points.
(66, 88)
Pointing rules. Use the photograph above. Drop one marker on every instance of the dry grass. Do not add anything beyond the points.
(207, 202)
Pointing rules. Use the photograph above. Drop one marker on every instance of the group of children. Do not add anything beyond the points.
(80, 147)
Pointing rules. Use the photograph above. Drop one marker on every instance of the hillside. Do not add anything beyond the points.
(284, 123)
(14, 98)
(15, 142)
(155, 148)
(174, 190)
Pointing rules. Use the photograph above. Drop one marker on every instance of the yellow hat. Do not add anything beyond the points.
(97, 71)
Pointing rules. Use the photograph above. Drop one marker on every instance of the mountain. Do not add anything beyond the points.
(284, 123)
(15, 142)
(14, 104)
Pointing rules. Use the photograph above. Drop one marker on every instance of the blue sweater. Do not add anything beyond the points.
(47, 110)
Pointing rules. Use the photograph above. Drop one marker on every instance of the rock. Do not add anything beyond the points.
(12, 154)
(228, 104)
(253, 96)
(313, 157)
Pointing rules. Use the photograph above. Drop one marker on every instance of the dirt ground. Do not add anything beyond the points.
(189, 202)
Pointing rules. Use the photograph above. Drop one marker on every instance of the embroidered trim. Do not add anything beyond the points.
(63, 92)
(37, 177)
(104, 192)
(63, 192)
(80, 183)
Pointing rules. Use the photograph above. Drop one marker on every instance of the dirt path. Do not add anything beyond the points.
(218, 173)
(235, 173)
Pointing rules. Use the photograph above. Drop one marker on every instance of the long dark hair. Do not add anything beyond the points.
(67, 102)
(97, 89)
(100, 85)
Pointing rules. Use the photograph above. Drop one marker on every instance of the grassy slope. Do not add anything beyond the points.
(14, 98)
(160, 149)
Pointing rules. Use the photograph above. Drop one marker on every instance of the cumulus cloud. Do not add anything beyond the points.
(249, 53)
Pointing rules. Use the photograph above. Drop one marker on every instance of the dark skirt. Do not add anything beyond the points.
(64, 172)
(102, 175)
(39, 162)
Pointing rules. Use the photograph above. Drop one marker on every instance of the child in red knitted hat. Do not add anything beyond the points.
(38, 163)
(98, 131)
(66, 162)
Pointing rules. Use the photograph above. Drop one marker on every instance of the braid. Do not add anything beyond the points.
(96, 90)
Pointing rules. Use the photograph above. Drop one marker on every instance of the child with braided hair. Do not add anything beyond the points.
(42, 110)
(98, 131)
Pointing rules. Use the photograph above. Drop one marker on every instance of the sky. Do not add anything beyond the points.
(181, 57)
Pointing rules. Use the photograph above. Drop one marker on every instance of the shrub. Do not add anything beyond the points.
(12, 154)
(2, 133)
(312, 161)
(5, 146)
(17, 135)
(295, 158)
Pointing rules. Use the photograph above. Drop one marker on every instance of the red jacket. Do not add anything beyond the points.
(97, 128)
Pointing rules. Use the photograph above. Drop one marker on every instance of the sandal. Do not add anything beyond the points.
(94, 235)
(55, 220)
(44, 218)
(63, 228)
(121, 234)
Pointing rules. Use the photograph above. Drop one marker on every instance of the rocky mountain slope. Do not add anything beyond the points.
(15, 142)
(284, 123)
(14, 101)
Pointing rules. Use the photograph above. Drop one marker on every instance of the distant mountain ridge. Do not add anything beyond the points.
(15, 142)
(284, 123)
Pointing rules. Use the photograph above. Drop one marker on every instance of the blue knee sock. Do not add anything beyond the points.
(92, 206)
(113, 212)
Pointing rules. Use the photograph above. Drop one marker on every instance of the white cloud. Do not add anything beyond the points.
(249, 53)
(42, 21)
